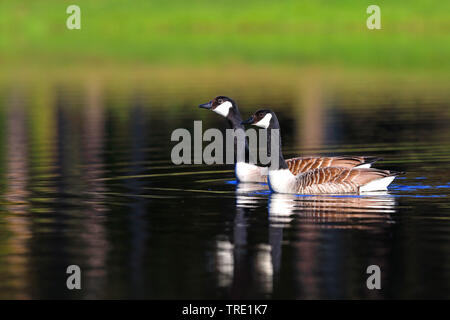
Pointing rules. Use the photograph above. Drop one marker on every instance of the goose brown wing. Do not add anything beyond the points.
(338, 179)
(303, 164)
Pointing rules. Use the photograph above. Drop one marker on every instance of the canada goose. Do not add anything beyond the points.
(323, 180)
(246, 172)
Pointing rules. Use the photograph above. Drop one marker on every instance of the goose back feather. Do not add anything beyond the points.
(331, 180)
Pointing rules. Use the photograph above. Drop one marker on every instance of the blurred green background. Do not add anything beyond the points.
(415, 34)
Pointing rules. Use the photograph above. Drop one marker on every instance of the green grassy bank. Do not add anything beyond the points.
(415, 34)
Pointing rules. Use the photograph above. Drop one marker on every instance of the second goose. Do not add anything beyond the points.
(323, 180)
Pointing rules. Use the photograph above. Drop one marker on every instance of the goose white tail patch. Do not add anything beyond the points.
(264, 122)
(246, 172)
(365, 165)
(377, 185)
(282, 181)
(223, 109)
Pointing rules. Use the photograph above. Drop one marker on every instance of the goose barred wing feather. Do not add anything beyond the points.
(338, 179)
(304, 164)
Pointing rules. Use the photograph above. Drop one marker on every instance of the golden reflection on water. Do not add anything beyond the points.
(16, 194)
(95, 237)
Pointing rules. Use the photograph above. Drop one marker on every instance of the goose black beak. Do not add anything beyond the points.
(206, 105)
(248, 121)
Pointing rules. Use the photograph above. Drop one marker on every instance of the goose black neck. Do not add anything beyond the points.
(234, 117)
(275, 125)
(235, 122)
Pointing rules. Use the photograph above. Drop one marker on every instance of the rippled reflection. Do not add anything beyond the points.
(94, 238)
(248, 195)
(325, 209)
(17, 196)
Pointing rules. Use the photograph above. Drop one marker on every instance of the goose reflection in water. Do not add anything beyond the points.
(241, 265)
(251, 195)
(314, 223)
(287, 211)
(283, 208)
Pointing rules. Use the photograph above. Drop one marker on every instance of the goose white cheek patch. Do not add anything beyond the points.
(223, 109)
(264, 122)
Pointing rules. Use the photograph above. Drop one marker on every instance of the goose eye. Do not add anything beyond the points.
(220, 101)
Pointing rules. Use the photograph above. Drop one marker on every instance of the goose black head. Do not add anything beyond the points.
(267, 119)
(263, 118)
(222, 105)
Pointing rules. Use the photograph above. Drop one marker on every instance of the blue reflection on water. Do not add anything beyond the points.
(393, 188)
(400, 187)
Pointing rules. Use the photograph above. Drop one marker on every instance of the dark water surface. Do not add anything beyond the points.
(86, 179)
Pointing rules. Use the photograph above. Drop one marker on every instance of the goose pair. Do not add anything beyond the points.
(246, 172)
(302, 175)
